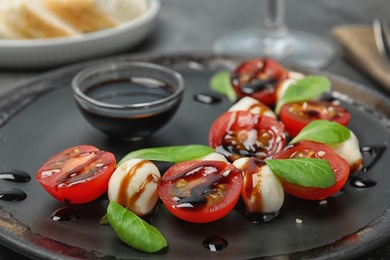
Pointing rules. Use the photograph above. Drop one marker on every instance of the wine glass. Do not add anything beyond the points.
(275, 40)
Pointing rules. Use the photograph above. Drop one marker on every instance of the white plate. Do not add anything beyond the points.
(58, 51)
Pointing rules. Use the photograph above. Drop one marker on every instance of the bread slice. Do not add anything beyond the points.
(81, 14)
(30, 18)
(93, 15)
(122, 11)
(23, 19)
(8, 32)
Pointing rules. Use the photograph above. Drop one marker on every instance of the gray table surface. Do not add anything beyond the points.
(193, 26)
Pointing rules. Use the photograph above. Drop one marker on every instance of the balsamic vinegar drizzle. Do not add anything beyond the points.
(207, 98)
(361, 182)
(257, 85)
(258, 218)
(374, 152)
(12, 195)
(15, 176)
(65, 214)
(215, 243)
(371, 154)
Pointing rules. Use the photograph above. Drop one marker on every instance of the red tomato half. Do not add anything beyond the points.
(243, 134)
(78, 174)
(258, 78)
(310, 149)
(200, 191)
(296, 116)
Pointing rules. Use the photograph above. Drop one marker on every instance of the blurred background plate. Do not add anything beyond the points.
(42, 53)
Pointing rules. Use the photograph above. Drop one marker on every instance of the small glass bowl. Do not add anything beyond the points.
(128, 100)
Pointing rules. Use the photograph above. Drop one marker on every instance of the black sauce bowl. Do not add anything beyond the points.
(128, 100)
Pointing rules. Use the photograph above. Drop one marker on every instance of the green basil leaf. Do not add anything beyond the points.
(220, 83)
(307, 172)
(133, 230)
(323, 131)
(304, 89)
(173, 154)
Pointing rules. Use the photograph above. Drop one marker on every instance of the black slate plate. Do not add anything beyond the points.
(39, 118)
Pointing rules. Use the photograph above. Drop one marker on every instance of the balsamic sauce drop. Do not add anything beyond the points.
(207, 99)
(371, 155)
(361, 182)
(12, 195)
(65, 214)
(258, 85)
(15, 176)
(215, 243)
(258, 218)
(128, 91)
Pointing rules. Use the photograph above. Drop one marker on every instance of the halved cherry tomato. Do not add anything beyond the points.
(200, 191)
(258, 78)
(242, 134)
(296, 116)
(78, 174)
(310, 149)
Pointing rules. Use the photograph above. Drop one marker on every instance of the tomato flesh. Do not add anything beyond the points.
(296, 116)
(243, 134)
(258, 78)
(78, 174)
(200, 191)
(310, 149)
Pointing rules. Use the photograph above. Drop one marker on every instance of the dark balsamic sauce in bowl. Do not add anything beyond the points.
(130, 91)
(128, 100)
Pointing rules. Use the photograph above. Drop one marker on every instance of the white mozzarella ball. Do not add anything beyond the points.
(350, 151)
(214, 157)
(134, 185)
(253, 106)
(262, 191)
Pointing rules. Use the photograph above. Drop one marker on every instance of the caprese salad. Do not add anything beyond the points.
(279, 137)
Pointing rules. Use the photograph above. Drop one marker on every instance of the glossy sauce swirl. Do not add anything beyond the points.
(249, 135)
(251, 185)
(123, 198)
(205, 181)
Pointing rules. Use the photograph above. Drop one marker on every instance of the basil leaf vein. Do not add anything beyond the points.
(133, 230)
(173, 154)
(307, 172)
(323, 131)
(304, 89)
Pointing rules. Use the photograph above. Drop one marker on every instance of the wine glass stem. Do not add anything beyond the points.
(276, 37)
(276, 15)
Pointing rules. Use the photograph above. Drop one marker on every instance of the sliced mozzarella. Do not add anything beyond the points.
(254, 106)
(262, 191)
(134, 185)
(214, 157)
(350, 151)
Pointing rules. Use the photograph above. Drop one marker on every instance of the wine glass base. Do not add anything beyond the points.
(300, 48)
